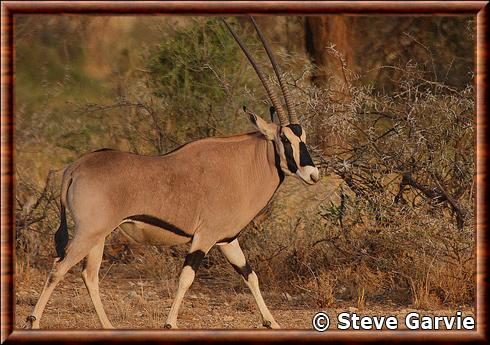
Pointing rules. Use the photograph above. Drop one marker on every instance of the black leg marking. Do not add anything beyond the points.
(194, 259)
(244, 271)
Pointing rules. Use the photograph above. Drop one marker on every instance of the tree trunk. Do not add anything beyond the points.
(322, 32)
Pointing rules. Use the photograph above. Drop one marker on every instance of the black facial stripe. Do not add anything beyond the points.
(304, 156)
(194, 259)
(159, 223)
(243, 271)
(296, 129)
(288, 152)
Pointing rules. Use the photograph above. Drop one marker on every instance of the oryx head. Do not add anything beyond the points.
(288, 136)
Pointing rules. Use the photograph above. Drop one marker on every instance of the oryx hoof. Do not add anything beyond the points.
(29, 322)
(168, 326)
(270, 324)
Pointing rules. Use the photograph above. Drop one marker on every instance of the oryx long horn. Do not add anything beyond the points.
(289, 104)
(283, 118)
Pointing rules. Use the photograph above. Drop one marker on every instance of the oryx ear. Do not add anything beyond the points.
(267, 129)
(274, 117)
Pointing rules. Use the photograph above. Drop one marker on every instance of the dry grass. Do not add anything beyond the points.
(130, 304)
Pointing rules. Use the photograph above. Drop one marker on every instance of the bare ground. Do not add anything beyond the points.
(140, 303)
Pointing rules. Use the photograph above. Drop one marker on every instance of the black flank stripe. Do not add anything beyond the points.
(304, 156)
(159, 223)
(228, 239)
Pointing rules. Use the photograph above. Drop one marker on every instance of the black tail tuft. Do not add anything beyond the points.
(61, 236)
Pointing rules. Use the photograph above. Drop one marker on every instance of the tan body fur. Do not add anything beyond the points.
(241, 188)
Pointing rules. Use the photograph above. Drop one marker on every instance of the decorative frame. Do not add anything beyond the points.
(11, 8)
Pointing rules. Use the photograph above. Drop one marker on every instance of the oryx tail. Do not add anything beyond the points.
(61, 236)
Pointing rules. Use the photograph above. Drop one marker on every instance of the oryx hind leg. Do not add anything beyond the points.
(90, 275)
(235, 257)
(78, 248)
(199, 249)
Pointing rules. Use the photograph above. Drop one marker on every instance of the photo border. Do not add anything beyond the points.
(11, 8)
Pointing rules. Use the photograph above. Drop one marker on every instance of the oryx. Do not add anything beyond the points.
(205, 193)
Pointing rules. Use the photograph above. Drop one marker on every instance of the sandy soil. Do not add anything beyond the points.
(138, 303)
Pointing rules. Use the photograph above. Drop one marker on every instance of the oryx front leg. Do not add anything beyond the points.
(235, 257)
(192, 261)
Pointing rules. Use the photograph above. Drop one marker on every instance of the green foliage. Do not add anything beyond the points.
(193, 70)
